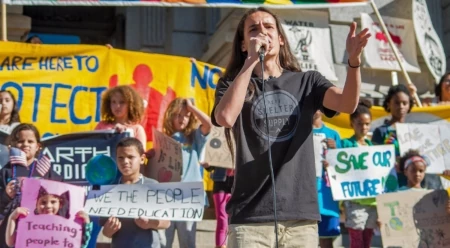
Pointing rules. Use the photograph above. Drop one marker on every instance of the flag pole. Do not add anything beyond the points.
(4, 26)
(394, 49)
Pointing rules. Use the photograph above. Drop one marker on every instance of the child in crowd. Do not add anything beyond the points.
(9, 114)
(399, 103)
(360, 215)
(413, 166)
(47, 204)
(26, 138)
(132, 233)
(329, 227)
(180, 123)
(223, 182)
(123, 108)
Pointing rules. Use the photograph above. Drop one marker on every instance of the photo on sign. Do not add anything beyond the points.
(414, 218)
(53, 219)
(217, 152)
(166, 164)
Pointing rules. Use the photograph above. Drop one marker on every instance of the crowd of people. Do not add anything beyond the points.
(274, 161)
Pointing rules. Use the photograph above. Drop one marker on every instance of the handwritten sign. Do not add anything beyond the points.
(217, 152)
(166, 165)
(362, 172)
(414, 218)
(162, 201)
(319, 152)
(432, 141)
(44, 230)
(70, 153)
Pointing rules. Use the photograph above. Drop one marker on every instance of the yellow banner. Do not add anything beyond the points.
(59, 87)
(341, 123)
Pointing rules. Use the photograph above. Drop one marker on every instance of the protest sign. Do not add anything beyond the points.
(361, 172)
(433, 141)
(69, 153)
(217, 152)
(163, 201)
(166, 164)
(44, 230)
(414, 218)
(319, 152)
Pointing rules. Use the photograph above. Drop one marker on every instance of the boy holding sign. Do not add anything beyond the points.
(132, 233)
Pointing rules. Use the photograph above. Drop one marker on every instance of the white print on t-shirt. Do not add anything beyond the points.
(282, 112)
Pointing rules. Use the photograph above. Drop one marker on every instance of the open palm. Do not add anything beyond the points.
(356, 42)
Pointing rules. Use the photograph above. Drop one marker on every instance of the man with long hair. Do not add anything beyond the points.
(271, 121)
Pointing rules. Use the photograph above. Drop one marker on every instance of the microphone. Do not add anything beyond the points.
(262, 51)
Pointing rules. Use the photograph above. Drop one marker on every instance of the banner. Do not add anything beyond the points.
(217, 152)
(59, 87)
(429, 42)
(435, 115)
(378, 53)
(433, 141)
(309, 37)
(39, 230)
(289, 4)
(70, 153)
(361, 172)
(162, 201)
(414, 218)
(167, 163)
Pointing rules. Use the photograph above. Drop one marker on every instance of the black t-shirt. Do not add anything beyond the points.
(292, 99)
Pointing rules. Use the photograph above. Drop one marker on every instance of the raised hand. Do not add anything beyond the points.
(356, 43)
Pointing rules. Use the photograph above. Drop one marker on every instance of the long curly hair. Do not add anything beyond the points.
(133, 99)
(172, 111)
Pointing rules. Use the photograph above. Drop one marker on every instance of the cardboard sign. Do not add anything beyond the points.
(44, 230)
(161, 201)
(70, 153)
(362, 172)
(319, 152)
(433, 141)
(217, 152)
(414, 218)
(166, 165)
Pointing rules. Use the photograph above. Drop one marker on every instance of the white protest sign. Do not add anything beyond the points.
(319, 150)
(217, 152)
(361, 172)
(433, 141)
(163, 201)
(414, 218)
(166, 165)
(378, 53)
